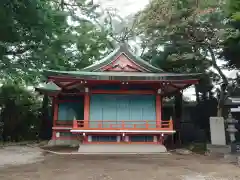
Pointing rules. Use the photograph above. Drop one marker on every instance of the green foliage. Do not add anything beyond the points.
(232, 43)
(185, 36)
(19, 113)
(38, 34)
(183, 31)
(28, 27)
(233, 10)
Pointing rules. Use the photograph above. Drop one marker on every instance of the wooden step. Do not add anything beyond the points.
(122, 148)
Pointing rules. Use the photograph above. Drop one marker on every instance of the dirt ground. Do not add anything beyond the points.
(18, 155)
(116, 167)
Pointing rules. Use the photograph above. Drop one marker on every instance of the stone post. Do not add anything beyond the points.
(231, 127)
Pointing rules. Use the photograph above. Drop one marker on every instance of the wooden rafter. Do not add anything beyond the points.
(70, 84)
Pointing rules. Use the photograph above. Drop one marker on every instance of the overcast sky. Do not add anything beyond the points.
(125, 7)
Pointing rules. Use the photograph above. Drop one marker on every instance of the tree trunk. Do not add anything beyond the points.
(221, 100)
(177, 117)
(224, 85)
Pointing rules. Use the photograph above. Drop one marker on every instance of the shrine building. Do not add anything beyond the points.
(116, 101)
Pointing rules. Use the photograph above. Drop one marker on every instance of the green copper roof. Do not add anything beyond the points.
(123, 48)
(94, 72)
(49, 87)
(121, 75)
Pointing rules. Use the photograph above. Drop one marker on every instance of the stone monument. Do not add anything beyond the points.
(217, 130)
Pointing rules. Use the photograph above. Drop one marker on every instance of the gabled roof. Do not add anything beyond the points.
(122, 49)
(123, 65)
(119, 65)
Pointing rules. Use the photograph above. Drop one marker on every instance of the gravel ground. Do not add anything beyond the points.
(106, 167)
(17, 155)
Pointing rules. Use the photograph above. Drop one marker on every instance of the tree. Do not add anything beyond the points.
(231, 45)
(19, 113)
(45, 34)
(28, 27)
(190, 34)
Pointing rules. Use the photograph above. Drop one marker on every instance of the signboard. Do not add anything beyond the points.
(235, 109)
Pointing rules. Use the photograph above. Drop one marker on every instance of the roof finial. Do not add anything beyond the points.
(124, 45)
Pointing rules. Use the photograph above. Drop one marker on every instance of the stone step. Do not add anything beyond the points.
(121, 148)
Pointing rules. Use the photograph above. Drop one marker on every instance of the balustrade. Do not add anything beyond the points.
(143, 125)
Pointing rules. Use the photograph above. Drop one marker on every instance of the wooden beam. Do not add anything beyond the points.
(177, 90)
(72, 94)
(177, 87)
(68, 100)
(72, 84)
(122, 92)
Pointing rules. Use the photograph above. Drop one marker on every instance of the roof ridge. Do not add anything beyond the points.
(122, 48)
(140, 59)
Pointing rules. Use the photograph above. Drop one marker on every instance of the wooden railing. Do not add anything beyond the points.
(146, 125)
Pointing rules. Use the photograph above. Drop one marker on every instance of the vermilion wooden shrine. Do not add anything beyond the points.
(116, 100)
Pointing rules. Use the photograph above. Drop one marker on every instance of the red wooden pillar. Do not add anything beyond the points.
(54, 135)
(161, 139)
(55, 114)
(158, 111)
(86, 108)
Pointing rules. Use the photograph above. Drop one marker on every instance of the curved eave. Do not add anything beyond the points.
(49, 87)
(121, 75)
(122, 49)
(47, 91)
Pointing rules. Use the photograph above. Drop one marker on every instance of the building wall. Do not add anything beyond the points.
(69, 108)
(107, 107)
(117, 108)
(119, 139)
